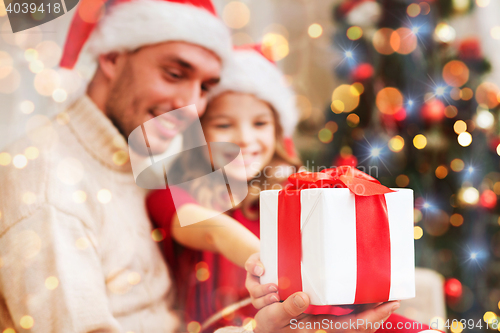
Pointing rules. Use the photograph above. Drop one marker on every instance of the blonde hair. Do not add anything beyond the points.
(210, 196)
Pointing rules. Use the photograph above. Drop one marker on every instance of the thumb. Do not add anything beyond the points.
(293, 306)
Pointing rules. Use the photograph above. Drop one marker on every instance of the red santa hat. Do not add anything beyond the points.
(249, 71)
(129, 24)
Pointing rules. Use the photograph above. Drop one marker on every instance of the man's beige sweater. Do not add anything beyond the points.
(76, 252)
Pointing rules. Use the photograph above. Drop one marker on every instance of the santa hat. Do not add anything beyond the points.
(129, 24)
(249, 71)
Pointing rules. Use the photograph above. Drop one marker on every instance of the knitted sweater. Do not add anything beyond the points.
(76, 252)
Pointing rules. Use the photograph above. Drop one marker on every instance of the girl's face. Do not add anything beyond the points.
(246, 121)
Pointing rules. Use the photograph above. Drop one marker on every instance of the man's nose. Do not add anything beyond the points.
(188, 94)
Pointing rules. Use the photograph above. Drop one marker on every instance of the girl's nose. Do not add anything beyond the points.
(245, 136)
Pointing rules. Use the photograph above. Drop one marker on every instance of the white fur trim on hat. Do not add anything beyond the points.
(249, 72)
(133, 24)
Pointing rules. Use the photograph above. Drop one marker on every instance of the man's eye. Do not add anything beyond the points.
(173, 74)
(205, 88)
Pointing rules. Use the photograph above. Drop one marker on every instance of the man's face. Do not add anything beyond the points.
(157, 79)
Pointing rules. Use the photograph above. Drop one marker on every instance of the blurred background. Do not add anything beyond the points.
(407, 90)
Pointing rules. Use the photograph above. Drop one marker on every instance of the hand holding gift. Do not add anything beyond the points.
(288, 316)
(339, 236)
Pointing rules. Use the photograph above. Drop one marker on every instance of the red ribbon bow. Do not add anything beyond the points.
(372, 235)
(358, 182)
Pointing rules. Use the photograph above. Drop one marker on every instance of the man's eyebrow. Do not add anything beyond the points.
(213, 81)
(180, 62)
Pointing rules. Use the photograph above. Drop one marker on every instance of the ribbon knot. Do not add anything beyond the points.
(358, 182)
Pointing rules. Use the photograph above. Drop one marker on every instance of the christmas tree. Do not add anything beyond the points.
(414, 111)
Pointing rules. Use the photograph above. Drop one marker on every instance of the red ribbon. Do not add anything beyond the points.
(372, 235)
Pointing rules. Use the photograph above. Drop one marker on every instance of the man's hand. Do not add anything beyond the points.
(278, 317)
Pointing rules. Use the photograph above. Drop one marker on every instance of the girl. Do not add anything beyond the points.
(253, 109)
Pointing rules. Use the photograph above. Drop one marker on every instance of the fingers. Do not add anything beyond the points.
(254, 266)
(261, 302)
(377, 314)
(261, 295)
(278, 315)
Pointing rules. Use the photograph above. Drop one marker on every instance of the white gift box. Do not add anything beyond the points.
(328, 238)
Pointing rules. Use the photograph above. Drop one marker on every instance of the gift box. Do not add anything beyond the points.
(339, 236)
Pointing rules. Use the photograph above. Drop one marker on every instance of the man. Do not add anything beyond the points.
(76, 248)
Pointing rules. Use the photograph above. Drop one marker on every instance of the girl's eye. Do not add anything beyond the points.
(261, 123)
(223, 126)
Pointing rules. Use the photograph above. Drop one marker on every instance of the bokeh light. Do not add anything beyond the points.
(436, 223)
(345, 98)
(485, 119)
(450, 111)
(425, 8)
(455, 73)
(441, 172)
(466, 94)
(236, 15)
(325, 135)
(202, 271)
(193, 327)
(456, 220)
(402, 180)
(31, 153)
(26, 322)
(482, 3)
(5, 159)
(354, 33)
(46, 82)
(389, 100)
(382, 41)
(460, 126)
(315, 30)
(464, 139)
(79, 196)
(487, 94)
(420, 141)
(158, 234)
(488, 199)
(59, 95)
(495, 32)
(403, 41)
(19, 161)
(51, 283)
(275, 46)
(396, 143)
(352, 120)
(468, 195)
(418, 232)
(413, 10)
(444, 33)
(49, 53)
(457, 165)
(104, 196)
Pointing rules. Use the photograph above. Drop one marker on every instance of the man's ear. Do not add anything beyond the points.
(110, 64)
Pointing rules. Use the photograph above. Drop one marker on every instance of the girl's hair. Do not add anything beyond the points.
(207, 195)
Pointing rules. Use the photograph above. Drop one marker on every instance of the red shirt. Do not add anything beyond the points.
(205, 282)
